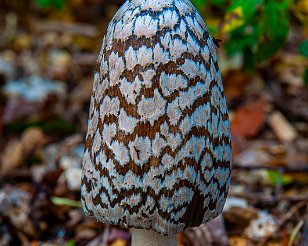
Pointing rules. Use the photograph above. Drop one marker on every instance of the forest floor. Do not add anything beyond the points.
(47, 60)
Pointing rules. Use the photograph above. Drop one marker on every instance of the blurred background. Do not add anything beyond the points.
(47, 57)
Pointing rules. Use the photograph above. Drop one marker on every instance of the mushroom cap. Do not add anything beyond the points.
(158, 146)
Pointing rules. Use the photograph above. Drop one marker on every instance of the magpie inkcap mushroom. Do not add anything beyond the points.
(158, 146)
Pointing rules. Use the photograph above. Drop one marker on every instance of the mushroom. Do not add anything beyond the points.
(158, 148)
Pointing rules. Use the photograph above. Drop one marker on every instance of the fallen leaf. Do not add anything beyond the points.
(210, 233)
(234, 84)
(12, 156)
(238, 218)
(255, 154)
(18, 108)
(261, 227)
(248, 119)
(15, 204)
(239, 241)
(32, 138)
(246, 123)
(18, 150)
(119, 242)
(233, 20)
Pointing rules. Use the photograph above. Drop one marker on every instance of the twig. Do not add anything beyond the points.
(64, 27)
(284, 219)
(252, 167)
(295, 232)
(268, 198)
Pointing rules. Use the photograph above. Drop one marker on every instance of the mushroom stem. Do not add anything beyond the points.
(142, 237)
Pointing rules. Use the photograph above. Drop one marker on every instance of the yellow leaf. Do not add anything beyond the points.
(119, 242)
(300, 10)
(233, 20)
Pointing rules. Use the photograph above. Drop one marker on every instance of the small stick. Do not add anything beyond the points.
(252, 167)
(284, 219)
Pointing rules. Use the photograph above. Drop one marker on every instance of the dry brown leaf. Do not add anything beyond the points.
(32, 138)
(246, 123)
(239, 241)
(17, 150)
(15, 204)
(11, 156)
(248, 119)
(235, 84)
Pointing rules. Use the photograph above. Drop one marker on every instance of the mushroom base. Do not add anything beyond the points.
(142, 237)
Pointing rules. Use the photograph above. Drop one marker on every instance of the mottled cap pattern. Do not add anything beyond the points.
(158, 147)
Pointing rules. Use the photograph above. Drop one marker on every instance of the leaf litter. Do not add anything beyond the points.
(45, 82)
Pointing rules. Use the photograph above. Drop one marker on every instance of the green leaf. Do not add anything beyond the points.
(255, 28)
(42, 3)
(249, 7)
(61, 201)
(199, 4)
(219, 2)
(70, 243)
(57, 4)
(273, 28)
(241, 39)
(276, 177)
(303, 48)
